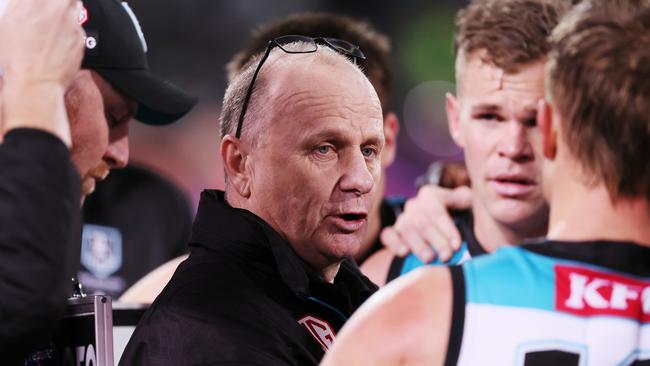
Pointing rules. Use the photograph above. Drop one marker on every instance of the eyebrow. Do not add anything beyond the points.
(486, 108)
(328, 134)
(335, 135)
(528, 112)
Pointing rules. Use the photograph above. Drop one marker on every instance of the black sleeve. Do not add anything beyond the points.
(39, 213)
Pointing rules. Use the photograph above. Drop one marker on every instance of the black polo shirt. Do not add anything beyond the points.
(244, 297)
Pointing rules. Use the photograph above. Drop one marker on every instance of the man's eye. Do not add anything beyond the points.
(489, 117)
(368, 152)
(531, 122)
(324, 149)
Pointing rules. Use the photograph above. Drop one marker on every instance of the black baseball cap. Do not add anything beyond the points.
(116, 49)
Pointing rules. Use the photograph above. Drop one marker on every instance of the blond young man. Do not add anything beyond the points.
(492, 117)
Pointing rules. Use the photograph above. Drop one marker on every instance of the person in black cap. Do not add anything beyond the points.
(115, 76)
(40, 51)
(113, 86)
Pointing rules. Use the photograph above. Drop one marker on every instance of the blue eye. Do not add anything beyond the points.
(368, 152)
(324, 149)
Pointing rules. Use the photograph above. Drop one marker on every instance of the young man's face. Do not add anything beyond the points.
(494, 120)
(99, 118)
(317, 166)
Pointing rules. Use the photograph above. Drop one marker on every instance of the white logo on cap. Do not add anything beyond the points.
(136, 24)
(91, 43)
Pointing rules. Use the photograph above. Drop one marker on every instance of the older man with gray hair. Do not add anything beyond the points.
(267, 282)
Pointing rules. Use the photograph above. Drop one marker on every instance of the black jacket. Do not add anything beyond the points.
(39, 223)
(241, 297)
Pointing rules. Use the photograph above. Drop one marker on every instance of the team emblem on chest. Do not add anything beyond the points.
(320, 329)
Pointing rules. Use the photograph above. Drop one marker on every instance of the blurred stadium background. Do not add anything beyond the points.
(190, 41)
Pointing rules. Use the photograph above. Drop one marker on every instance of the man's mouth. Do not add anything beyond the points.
(350, 222)
(89, 184)
(513, 185)
(90, 181)
(353, 216)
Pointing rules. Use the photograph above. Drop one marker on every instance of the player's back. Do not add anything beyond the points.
(553, 303)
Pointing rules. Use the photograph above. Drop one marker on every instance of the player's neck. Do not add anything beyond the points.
(583, 213)
(492, 234)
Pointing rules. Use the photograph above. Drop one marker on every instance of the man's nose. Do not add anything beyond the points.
(515, 143)
(357, 176)
(117, 153)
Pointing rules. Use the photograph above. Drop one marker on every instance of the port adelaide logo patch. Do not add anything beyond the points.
(320, 329)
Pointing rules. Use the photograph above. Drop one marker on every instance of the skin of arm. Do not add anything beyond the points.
(41, 47)
(406, 323)
(426, 227)
(422, 228)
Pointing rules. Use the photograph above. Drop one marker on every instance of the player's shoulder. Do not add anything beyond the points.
(420, 283)
(415, 307)
(422, 298)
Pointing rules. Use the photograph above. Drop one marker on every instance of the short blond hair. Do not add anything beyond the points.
(509, 33)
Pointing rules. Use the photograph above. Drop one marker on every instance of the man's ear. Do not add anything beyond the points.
(391, 131)
(453, 119)
(549, 134)
(234, 159)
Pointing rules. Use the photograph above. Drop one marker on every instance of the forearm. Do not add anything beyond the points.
(39, 212)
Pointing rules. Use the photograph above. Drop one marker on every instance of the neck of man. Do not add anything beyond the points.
(584, 212)
(492, 234)
(374, 223)
(328, 273)
(319, 264)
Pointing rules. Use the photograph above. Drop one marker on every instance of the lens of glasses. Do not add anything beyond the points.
(345, 47)
(296, 44)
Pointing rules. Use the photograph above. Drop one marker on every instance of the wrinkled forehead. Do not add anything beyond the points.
(481, 82)
(310, 97)
(305, 85)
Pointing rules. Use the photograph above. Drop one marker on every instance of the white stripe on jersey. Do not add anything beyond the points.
(492, 332)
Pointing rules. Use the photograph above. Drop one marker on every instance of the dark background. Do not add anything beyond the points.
(190, 42)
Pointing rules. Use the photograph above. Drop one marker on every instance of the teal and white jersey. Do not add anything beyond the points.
(553, 303)
(469, 248)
